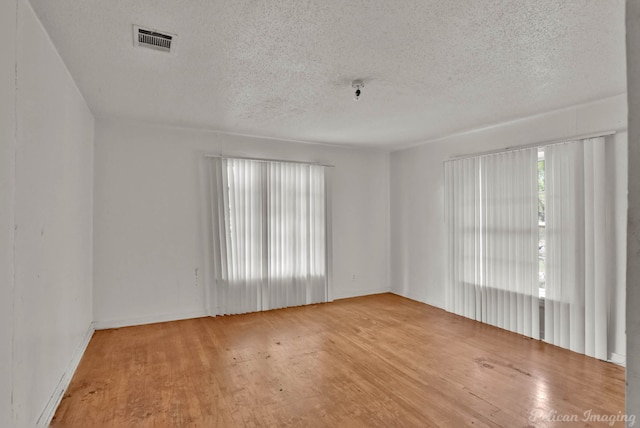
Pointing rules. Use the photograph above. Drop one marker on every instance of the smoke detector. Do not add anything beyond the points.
(153, 39)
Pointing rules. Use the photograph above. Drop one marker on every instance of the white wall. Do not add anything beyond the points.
(46, 191)
(633, 269)
(7, 181)
(149, 234)
(417, 196)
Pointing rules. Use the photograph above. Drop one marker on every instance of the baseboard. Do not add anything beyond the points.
(348, 293)
(56, 397)
(618, 359)
(151, 319)
(413, 297)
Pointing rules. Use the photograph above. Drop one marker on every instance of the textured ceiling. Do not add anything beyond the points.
(284, 68)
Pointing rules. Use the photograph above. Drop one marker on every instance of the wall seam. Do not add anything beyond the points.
(389, 264)
(13, 214)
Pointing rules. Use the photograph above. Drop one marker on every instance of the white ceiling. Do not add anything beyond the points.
(284, 68)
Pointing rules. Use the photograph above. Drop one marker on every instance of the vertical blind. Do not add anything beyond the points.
(493, 239)
(579, 253)
(268, 234)
(492, 223)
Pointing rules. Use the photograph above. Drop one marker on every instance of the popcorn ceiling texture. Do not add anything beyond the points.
(284, 68)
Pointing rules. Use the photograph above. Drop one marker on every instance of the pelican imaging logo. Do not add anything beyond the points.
(539, 415)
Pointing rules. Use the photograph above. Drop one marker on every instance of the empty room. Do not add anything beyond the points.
(319, 213)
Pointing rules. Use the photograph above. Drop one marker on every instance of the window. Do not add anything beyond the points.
(529, 242)
(269, 234)
(493, 226)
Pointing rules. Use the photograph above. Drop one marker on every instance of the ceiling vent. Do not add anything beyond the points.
(146, 38)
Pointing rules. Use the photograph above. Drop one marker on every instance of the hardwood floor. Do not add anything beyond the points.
(374, 361)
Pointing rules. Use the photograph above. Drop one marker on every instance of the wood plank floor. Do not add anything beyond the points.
(374, 361)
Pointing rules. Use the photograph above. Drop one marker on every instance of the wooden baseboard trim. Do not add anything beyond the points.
(151, 319)
(618, 359)
(349, 293)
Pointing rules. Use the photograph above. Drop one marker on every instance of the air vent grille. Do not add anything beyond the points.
(151, 39)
